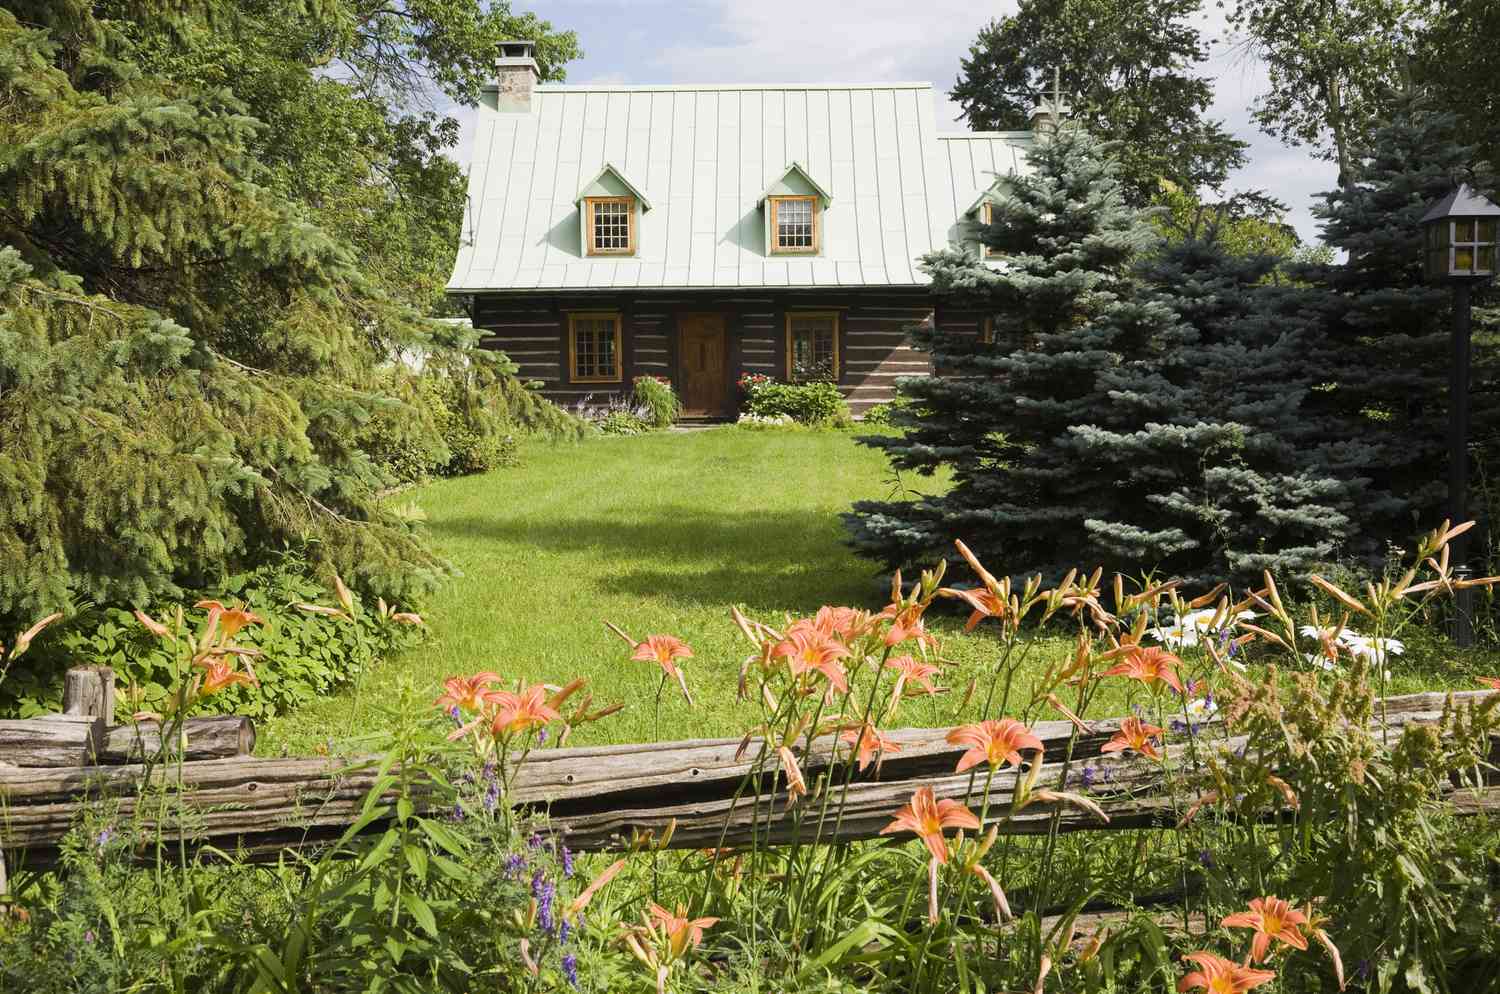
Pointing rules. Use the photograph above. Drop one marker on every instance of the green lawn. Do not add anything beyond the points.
(658, 533)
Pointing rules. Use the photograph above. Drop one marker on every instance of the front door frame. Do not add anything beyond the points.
(725, 398)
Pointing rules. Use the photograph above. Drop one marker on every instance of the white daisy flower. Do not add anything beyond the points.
(1376, 650)
(1319, 659)
(1200, 709)
(1175, 636)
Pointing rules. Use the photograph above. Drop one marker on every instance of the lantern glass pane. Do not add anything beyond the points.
(1486, 259)
(1463, 260)
(1487, 230)
(1463, 231)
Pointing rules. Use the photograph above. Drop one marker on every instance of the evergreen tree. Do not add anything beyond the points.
(1379, 415)
(1134, 406)
(186, 355)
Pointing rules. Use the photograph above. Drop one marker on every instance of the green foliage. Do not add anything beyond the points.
(1110, 420)
(818, 403)
(211, 245)
(303, 656)
(1334, 68)
(623, 422)
(1127, 70)
(655, 394)
(1380, 415)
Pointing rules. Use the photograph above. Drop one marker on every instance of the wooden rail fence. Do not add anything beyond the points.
(600, 797)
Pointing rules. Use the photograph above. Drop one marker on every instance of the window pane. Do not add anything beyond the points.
(1487, 230)
(1463, 259)
(1463, 231)
(1486, 259)
(612, 225)
(794, 224)
(812, 349)
(594, 348)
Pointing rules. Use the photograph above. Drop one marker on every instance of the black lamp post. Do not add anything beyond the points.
(1460, 250)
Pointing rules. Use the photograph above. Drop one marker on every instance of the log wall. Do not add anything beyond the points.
(873, 336)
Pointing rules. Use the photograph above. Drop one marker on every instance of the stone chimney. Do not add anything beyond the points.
(1049, 114)
(1051, 109)
(516, 73)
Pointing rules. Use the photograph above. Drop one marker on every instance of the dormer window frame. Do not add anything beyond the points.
(987, 217)
(774, 205)
(591, 231)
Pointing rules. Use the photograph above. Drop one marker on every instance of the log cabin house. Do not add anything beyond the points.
(700, 233)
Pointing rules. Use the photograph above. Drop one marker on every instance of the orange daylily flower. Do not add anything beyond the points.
(985, 602)
(467, 693)
(926, 817)
(1218, 975)
(912, 670)
(1151, 666)
(993, 742)
(1271, 918)
(866, 742)
(587, 894)
(808, 650)
(514, 713)
(219, 673)
(662, 650)
(1135, 734)
(844, 623)
(231, 620)
(680, 930)
(1489, 681)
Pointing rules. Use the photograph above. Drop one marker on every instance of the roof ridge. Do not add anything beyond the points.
(639, 87)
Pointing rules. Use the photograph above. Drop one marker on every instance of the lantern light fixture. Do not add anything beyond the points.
(1461, 234)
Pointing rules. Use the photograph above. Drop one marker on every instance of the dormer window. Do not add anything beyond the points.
(610, 225)
(794, 224)
(793, 206)
(987, 215)
(609, 212)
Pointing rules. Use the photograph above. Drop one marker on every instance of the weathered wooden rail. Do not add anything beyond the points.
(600, 797)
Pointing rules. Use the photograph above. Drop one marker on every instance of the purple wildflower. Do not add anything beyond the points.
(563, 932)
(1206, 858)
(491, 796)
(543, 890)
(1087, 778)
(489, 770)
(535, 842)
(567, 863)
(89, 936)
(514, 864)
(541, 737)
(454, 714)
(570, 969)
(102, 839)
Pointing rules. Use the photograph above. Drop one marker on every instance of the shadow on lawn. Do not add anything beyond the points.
(783, 561)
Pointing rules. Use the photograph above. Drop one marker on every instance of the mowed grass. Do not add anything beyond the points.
(657, 533)
(665, 533)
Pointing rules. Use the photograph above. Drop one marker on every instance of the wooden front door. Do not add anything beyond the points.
(702, 380)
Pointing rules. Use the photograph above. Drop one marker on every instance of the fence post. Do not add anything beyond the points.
(90, 690)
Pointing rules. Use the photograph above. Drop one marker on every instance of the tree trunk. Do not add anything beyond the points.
(90, 690)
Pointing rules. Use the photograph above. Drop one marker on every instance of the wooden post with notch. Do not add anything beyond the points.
(90, 690)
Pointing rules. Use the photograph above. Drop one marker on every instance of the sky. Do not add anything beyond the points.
(869, 41)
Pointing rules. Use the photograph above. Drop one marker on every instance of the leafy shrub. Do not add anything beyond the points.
(806, 403)
(440, 429)
(655, 393)
(304, 655)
